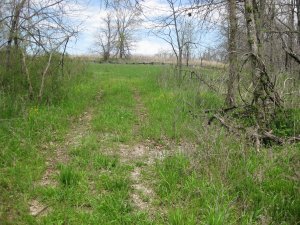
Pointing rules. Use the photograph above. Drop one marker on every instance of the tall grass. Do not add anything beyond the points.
(224, 181)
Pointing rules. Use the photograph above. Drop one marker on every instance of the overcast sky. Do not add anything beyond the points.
(90, 15)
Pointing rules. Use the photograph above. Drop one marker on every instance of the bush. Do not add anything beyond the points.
(15, 96)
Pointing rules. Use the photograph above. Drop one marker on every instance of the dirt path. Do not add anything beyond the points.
(139, 155)
(79, 129)
(142, 156)
(140, 111)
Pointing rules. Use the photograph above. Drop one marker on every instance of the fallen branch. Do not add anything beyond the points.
(255, 134)
(198, 77)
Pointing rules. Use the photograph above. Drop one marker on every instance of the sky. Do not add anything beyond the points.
(92, 11)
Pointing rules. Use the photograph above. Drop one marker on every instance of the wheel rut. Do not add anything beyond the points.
(140, 156)
(79, 129)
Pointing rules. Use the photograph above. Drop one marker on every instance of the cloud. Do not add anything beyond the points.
(150, 46)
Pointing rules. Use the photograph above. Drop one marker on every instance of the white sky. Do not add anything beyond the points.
(91, 13)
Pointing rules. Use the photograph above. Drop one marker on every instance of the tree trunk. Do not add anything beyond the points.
(13, 32)
(253, 43)
(298, 20)
(179, 62)
(264, 94)
(258, 7)
(187, 54)
(43, 79)
(62, 60)
(290, 44)
(30, 89)
(271, 38)
(232, 50)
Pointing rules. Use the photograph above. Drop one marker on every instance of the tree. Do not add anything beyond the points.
(124, 18)
(232, 52)
(188, 38)
(174, 28)
(107, 37)
(14, 28)
(264, 95)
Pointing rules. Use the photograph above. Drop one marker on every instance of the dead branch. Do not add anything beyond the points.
(30, 89)
(43, 78)
(255, 134)
(195, 75)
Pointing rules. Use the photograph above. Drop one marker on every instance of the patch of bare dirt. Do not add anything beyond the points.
(146, 154)
(38, 209)
(143, 194)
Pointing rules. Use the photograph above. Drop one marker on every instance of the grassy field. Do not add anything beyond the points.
(130, 144)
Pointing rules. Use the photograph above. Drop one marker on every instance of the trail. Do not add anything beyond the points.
(79, 129)
(96, 188)
(142, 193)
(142, 156)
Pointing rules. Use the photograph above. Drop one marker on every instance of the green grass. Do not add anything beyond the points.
(68, 177)
(21, 141)
(223, 181)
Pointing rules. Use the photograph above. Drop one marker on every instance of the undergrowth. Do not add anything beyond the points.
(225, 181)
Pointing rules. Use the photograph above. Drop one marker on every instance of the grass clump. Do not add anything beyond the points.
(105, 162)
(225, 181)
(68, 176)
(246, 188)
(171, 173)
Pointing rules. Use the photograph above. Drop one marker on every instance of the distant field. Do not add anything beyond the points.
(156, 60)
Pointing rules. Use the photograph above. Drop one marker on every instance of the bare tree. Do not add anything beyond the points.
(107, 37)
(174, 28)
(125, 15)
(232, 52)
(264, 94)
(13, 33)
(189, 38)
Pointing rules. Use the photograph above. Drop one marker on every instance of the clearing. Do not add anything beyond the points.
(126, 148)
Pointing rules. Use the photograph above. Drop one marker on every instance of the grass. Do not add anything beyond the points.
(222, 181)
(22, 161)
(68, 177)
